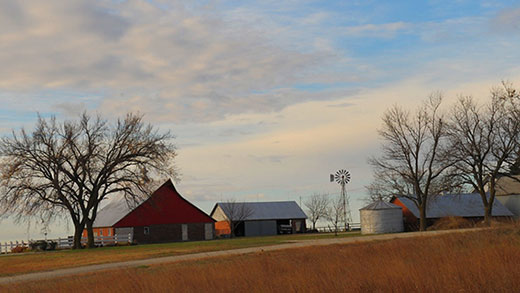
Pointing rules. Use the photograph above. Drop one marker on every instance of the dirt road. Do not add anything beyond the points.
(187, 257)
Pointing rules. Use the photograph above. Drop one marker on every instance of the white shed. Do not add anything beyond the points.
(381, 217)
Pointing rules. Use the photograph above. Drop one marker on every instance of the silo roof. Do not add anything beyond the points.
(380, 205)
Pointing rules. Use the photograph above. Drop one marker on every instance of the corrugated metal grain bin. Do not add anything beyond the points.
(381, 217)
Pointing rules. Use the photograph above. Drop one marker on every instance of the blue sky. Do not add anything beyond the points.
(265, 98)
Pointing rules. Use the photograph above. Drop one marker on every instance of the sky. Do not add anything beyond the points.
(265, 98)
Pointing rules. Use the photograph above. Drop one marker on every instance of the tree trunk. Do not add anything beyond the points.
(487, 214)
(78, 232)
(232, 229)
(422, 214)
(313, 226)
(90, 234)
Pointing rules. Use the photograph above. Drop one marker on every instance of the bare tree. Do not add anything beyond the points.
(385, 185)
(335, 213)
(74, 165)
(236, 212)
(317, 207)
(413, 158)
(485, 141)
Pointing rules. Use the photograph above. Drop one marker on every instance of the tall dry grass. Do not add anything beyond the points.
(483, 261)
(51, 260)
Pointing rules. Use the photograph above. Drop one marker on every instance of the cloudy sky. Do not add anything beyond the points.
(266, 98)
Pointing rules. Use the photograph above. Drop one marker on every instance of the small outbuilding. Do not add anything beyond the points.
(164, 217)
(381, 217)
(260, 218)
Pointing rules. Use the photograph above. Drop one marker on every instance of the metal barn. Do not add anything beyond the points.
(265, 218)
(468, 206)
(381, 217)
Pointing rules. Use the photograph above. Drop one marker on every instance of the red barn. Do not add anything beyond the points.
(165, 216)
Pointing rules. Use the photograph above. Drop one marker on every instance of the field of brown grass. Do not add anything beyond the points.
(35, 262)
(482, 261)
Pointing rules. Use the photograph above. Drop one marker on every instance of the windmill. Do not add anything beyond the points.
(342, 177)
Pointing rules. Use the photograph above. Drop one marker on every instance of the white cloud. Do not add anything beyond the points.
(178, 62)
(507, 21)
(385, 30)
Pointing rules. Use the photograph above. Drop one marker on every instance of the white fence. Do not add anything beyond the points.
(7, 247)
(341, 228)
(64, 243)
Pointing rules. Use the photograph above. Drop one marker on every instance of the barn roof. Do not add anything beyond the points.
(109, 215)
(461, 205)
(270, 210)
(381, 205)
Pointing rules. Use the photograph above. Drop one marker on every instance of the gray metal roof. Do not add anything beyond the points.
(273, 210)
(462, 205)
(113, 212)
(381, 205)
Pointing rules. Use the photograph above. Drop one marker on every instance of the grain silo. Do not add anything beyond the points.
(381, 217)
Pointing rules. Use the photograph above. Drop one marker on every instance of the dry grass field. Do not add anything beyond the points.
(482, 261)
(34, 262)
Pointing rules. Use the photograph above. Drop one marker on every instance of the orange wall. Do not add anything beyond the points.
(97, 230)
(222, 228)
(407, 214)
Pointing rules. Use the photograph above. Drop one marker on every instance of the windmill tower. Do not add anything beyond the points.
(342, 177)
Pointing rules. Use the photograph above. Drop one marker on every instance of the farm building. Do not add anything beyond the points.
(259, 218)
(381, 217)
(165, 216)
(508, 193)
(468, 206)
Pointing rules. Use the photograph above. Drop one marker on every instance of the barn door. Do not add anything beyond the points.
(208, 231)
(184, 232)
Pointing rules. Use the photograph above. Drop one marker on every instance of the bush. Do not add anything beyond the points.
(448, 223)
(19, 249)
(42, 245)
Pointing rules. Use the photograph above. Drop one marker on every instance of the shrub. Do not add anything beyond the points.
(19, 249)
(42, 245)
(448, 223)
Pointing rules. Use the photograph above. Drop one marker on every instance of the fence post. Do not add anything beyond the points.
(129, 238)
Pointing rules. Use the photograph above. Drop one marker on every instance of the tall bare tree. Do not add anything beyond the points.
(335, 213)
(413, 156)
(236, 212)
(316, 206)
(74, 165)
(485, 140)
(385, 185)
